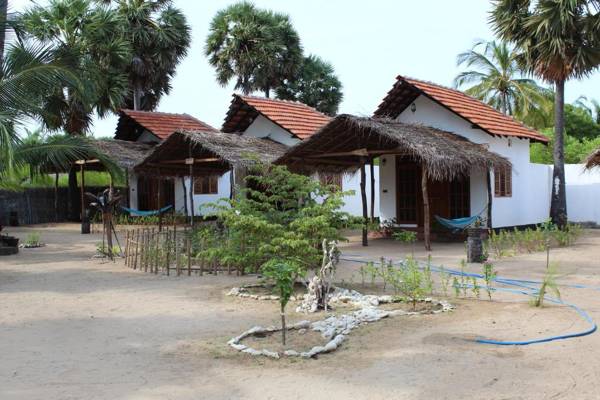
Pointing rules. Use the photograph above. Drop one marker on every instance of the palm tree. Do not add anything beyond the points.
(591, 106)
(160, 38)
(558, 40)
(499, 80)
(88, 38)
(316, 85)
(259, 48)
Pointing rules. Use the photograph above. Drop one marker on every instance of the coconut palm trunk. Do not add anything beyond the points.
(3, 17)
(558, 206)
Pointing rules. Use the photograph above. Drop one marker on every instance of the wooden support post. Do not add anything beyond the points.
(81, 169)
(363, 196)
(372, 167)
(177, 252)
(231, 183)
(190, 161)
(127, 188)
(489, 199)
(185, 196)
(159, 200)
(56, 218)
(426, 219)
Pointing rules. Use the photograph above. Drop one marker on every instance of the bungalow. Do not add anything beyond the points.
(441, 153)
(153, 128)
(279, 121)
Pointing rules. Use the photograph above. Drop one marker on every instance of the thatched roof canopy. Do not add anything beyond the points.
(124, 153)
(593, 160)
(347, 141)
(214, 153)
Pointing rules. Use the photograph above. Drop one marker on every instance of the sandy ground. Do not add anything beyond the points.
(76, 328)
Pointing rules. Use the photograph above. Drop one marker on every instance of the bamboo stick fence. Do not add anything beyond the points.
(171, 250)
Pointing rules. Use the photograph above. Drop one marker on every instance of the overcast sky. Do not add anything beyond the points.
(368, 42)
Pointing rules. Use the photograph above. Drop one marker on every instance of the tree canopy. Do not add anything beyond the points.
(160, 37)
(316, 85)
(258, 48)
(496, 77)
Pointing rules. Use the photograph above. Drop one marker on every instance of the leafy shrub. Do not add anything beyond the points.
(33, 239)
(278, 215)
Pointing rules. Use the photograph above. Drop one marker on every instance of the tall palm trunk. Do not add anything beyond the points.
(3, 16)
(558, 206)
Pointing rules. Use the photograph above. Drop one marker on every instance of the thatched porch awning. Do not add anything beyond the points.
(207, 153)
(124, 153)
(345, 143)
(593, 160)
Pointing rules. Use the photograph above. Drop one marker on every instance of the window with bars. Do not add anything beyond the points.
(206, 184)
(460, 198)
(334, 180)
(503, 182)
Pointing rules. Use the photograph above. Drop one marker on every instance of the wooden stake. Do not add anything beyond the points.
(168, 255)
(126, 247)
(56, 218)
(137, 246)
(363, 196)
(426, 221)
(191, 187)
(157, 252)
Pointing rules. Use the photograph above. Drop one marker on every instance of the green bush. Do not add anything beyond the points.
(278, 215)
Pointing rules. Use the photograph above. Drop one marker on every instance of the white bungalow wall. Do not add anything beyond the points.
(529, 203)
(201, 201)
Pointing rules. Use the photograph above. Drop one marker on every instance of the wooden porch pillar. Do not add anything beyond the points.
(372, 165)
(490, 198)
(231, 183)
(159, 185)
(185, 195)
(82, 192)
(363, 196)
(426, 221)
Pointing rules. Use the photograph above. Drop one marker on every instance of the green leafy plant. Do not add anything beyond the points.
(408, 237)
(475, 287)
(456, 286)
(463, 277)
(548, 284)
(444, 281)
(280, 215)
(427, 278)
(283, 275)
(489, 274)
(411, 281)
(33, 240)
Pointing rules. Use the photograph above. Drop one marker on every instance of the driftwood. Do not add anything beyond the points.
(320, 284)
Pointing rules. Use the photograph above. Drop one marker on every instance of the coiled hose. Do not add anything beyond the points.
(527, 289)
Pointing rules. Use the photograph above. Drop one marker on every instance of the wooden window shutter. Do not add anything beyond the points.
(508, 179)
(497, 182)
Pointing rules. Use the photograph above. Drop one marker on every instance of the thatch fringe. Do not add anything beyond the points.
(229, 150)
(445, 155)
(593, 160)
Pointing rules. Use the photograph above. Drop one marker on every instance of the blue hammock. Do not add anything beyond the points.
(139, 213)
(458, 224)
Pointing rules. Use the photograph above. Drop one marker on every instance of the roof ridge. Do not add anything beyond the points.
(405, 78)
(126, 110)
(268, 99)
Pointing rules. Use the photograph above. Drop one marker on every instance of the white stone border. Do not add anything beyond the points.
(243, 292)
(334, 329)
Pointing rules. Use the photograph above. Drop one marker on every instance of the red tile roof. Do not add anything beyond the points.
(406, 90)
(164, 124)
(295, 117)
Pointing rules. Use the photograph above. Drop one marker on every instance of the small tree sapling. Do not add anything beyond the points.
(283, 274)
(489, 274)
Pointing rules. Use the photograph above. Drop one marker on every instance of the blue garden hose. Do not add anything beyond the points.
(530, 291)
